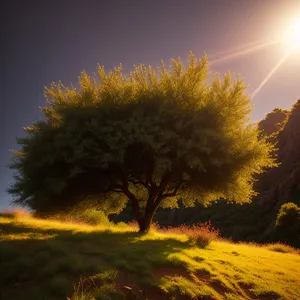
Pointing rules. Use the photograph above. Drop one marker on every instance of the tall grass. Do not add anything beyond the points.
(99, 286)
(200, 235)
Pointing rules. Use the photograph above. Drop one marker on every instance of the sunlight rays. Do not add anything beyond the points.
(242, 51)
(264, 82)
(246, 49)
(291, 39)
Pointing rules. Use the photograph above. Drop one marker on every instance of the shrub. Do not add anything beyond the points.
(200, 235)
(288, 224)
(92, 217)
(86, 216)
(289, 216)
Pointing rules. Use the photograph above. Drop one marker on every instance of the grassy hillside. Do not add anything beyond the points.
(44, 259)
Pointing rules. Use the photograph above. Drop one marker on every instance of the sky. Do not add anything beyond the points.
(46, 41)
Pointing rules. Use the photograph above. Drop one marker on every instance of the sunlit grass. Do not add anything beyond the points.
(283, 248)
(55, 256)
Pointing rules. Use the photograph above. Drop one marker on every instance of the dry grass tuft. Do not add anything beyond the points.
(200, 235)
(282, 248)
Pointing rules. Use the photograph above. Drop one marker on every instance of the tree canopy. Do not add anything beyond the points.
(151, 137)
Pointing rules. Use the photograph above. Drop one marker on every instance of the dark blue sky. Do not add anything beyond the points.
(45, 41)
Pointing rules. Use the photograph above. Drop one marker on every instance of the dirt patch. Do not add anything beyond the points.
(171, 271)
(128, 281)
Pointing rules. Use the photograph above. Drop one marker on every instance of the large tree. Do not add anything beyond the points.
(152, 138)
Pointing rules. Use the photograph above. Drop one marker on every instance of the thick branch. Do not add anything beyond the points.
(173, 193)
(138, 181)
(163, 184)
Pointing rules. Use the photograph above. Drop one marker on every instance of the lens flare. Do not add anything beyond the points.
(272, 72)
(291, 37)
(242, 51)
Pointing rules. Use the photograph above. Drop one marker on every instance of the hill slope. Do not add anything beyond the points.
(43, 259)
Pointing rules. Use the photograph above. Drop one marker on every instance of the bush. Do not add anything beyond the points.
(200, 235)
(289, 216)
(87, 216)
(93, 217)
(288, 224)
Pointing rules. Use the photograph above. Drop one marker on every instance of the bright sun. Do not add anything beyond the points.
(292, 35)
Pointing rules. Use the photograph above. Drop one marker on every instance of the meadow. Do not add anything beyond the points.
(52, 259)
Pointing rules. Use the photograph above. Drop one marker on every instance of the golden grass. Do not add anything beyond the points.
(283, 248)
(53, 256)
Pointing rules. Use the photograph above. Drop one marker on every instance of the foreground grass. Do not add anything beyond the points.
(42, 259)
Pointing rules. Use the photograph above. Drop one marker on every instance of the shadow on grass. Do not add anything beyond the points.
(48, 268)
(14, 228)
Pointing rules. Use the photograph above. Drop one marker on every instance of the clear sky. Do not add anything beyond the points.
(45, 41)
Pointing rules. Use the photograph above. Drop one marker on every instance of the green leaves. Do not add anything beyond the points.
(145, 132)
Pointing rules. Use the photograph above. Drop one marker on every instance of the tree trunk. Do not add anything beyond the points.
(145, 222)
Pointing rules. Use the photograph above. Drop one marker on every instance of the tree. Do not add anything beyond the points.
(288, 223)
(147, 138)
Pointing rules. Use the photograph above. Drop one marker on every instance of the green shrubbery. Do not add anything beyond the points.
(86, 216)
(289, 216)
(288, 223)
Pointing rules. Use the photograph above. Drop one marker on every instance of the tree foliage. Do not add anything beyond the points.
(153, 138)
(289, 216)
(288, 223)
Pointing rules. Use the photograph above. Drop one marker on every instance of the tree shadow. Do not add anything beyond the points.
(33, 267)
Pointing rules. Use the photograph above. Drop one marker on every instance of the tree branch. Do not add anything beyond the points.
(174, 192)
(135, 203)
(138, 181)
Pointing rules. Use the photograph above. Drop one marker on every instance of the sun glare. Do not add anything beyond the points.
(292, 35)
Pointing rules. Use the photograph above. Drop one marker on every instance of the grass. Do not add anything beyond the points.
(48, 259)
(283, 248)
